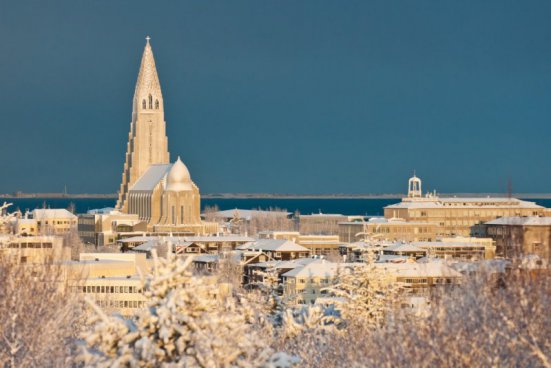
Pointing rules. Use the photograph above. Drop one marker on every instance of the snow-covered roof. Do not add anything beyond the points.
(489, 265)
(26, 221)
(225, 238)
(403, 247)
(435, 268)
(322, 215)
(522, 220)
(321, 268)
(153, 175)
(179, 239)
(206, 258)
(52, 213)
(102, 211)
(440, 244)
(274, 245)
(248, 214)
(383, 258)
(137, 239)
(464, 202)
(286, 264)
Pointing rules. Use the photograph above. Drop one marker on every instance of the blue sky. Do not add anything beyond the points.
(282, 96)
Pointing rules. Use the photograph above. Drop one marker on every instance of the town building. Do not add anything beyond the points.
(317, 244)
(161, 193)
(307, 282)
(456, 215)
(420, 277)
(520, 236)
(41, 249)
(185, 244)
(277, 249)
(387, 229)
(321, 223)
(112, 280)
(26, 227)
(104, 226)
(54, 221)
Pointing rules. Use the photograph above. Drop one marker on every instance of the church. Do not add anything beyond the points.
(161, 193)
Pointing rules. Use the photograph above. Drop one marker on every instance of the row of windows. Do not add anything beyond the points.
(30, 245)
(59, 222)
(111, 289)
(322, 281)
(472, 213)
(121, 303)
(144, 105)
(86, 221)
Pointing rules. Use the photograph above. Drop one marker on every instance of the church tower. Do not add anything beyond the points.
(147, 141)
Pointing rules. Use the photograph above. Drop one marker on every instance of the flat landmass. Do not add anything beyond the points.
(279, 195)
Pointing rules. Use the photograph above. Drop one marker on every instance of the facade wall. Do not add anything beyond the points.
(350, 232)
(458, 220)
(518, 240)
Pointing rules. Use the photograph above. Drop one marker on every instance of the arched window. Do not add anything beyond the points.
(157, 104)
(150, 102)
(143, 104)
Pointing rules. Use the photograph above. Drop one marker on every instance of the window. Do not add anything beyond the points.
(150, 102)
(157, 104)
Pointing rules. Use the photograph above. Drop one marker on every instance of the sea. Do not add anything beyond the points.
(344, 206)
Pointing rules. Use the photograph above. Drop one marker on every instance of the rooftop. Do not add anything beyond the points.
(51, 213)
(149, 180)
(275, 245)
(464, 202)
(522, 220)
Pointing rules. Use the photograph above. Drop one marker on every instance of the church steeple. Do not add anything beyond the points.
(147, 142)
(147, 95)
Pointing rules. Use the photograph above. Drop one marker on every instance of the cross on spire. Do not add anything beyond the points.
(147, 38)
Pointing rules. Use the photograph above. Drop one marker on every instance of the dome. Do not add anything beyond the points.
(178, 177)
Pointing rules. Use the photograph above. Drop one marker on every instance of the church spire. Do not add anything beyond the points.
(147, 95)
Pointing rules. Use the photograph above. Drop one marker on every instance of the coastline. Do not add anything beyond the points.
(276, 196)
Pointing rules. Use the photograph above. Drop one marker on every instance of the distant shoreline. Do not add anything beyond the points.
(276, 196)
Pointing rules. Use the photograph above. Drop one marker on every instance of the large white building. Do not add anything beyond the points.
(161, 193)
(456, 215)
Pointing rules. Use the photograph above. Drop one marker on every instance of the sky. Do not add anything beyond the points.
(282, 96)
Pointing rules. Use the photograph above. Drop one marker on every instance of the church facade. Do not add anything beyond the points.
(161, 193)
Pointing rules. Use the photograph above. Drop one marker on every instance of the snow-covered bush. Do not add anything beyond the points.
(39, 315)
(190, 322)
(481, 323)
(364, 294)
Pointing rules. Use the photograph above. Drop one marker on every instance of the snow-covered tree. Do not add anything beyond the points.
(190, 322)
(364, 294)
(39, 315)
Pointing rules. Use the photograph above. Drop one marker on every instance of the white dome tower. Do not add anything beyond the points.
(178, 179)
(414, 187)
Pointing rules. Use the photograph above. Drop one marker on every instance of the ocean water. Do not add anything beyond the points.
(343, 206)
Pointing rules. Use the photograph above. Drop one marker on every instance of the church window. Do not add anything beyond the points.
(143, 104)
(181, 214)
(173, 215)
(150, 102)
(157, 104)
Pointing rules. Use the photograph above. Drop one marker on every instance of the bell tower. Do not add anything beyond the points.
(414, 187)
(147, 141)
